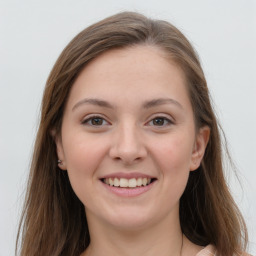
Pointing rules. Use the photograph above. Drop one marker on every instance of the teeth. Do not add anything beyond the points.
(116, 182)
(132, 183)
(124, 183)
(111, 182)
(139, 182)
(127, 183)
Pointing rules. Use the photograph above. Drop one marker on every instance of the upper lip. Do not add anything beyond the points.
(129, 175)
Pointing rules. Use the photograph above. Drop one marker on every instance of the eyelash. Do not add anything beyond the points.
(89, 120)
(167, 121)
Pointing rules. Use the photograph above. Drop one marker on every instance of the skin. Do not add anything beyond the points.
(159, 140)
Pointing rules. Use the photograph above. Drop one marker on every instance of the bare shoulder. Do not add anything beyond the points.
(190, 248)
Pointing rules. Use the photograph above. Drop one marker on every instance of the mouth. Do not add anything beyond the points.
(131, 183)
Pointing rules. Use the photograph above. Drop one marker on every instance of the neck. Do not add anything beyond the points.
(151, 241)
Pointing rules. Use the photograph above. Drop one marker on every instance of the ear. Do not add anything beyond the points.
(60, 151)
(200, 144)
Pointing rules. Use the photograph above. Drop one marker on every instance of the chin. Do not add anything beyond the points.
(131, 220)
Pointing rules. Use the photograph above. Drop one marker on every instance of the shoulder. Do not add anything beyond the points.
(209, 250)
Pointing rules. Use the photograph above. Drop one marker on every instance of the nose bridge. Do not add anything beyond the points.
(128, 144)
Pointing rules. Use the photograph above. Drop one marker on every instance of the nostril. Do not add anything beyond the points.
(127, 148)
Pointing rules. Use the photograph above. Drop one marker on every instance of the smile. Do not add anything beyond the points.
(128, 183)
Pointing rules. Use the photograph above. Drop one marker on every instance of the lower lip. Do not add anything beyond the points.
(129, 192)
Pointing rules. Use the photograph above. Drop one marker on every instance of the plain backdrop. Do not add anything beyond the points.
(32, 35)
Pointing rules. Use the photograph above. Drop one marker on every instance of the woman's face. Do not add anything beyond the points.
(128, 138)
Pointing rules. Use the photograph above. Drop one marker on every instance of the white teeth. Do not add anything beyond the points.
(132, 183)
(127, 183)
(124, 183)
(110, 181)
(139, 182)
(116, 182)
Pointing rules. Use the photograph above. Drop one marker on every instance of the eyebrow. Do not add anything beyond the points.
(96, 102)
(147, 104)
(161, 101)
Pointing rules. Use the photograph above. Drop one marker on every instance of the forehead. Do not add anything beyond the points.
(140, 72)
(135, 60)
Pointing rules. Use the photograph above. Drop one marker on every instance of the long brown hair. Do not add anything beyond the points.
(53, 220)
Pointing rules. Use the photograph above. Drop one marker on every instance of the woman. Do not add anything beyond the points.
(127, 159)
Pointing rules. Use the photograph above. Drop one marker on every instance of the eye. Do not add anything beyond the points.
(95, 121)
(160, 121)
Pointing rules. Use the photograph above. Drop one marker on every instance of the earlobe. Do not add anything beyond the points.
(200, 145)
(62, 165)
(60, 152)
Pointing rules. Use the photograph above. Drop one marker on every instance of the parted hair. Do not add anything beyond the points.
(53, 220)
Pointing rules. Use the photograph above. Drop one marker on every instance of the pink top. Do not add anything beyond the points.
(209, 250)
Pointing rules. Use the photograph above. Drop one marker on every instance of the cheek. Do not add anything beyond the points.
(83, 154)
(83, 151)
(174, 154)
(174, 162)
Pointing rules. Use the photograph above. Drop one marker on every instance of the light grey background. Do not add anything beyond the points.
(32, 35)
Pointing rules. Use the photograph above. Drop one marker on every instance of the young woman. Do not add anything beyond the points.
(128, 158)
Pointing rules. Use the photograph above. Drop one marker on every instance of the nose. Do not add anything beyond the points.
(128, 145)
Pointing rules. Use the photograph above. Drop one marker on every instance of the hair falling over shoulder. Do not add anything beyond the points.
(53, 220)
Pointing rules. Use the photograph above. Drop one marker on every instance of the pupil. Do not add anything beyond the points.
(158, 121)
(97, 121)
